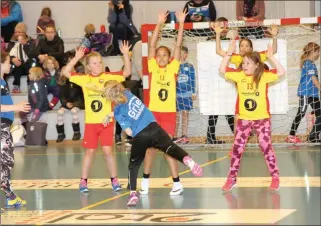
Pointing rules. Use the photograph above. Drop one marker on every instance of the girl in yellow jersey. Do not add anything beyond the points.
(96, 108)
(253, 109)
(163, 74)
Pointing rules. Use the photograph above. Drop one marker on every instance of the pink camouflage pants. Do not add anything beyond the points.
(263, 131)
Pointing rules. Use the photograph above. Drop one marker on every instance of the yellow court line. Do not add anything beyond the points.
(126, 193)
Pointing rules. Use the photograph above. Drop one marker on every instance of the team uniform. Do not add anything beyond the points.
(96, 109)
(7, 147)
(146, 134)
(252, 106)
(163, 93)
(185, 87)
(309, 95)
(237, 59)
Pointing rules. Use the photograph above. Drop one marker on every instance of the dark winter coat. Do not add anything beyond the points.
(37, 95)
(53, 48)
(70, 92)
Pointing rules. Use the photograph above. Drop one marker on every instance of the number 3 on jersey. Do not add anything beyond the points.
(163, 94)
(96, 105)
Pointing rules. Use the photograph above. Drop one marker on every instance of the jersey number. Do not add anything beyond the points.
(250, 104)
(163, 94)
(96, 105)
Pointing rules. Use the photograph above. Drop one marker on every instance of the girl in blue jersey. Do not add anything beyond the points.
(309, 93)
(139, 122)
(7, 117)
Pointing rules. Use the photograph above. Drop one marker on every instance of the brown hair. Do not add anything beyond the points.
(55, 62)
(307, 50)
(90, 29)
(88, 57)
(51, 26)
(35, 73)
(248, 40)
(114, 91)
(255, 57)
(164, 47)
(4, 56)
(46, 12)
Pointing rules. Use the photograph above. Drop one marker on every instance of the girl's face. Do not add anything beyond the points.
(18, 33)
(95, 65)
(248, 66)
(316, 54)
(5, 66)
(162, 57)
(46, 18)
(50, 65)
(245, 47)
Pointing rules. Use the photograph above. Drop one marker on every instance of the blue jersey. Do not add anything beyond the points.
(306, 87)
(133, 114)
(185, 81)
(6, 99)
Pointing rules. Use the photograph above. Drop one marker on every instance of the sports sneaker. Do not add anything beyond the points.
(144, 187)
(83, 186)
(195, 168)
(17, 202)
(16, 89)
(229, 184)
(177, 189)
(176, 140)
(115, 184)
(275, 184)
(133, 199)
(293, 139)
(128, 142)
(118, 139)
(184, 140)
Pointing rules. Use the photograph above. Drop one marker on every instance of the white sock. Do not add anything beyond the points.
(177, 184)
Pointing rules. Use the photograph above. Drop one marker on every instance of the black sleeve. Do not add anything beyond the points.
(29, 48)
(59, 54)
(212, 11)
(37, 50)
(62, 95)
(41, 94)
(10, 46)
(188, 17)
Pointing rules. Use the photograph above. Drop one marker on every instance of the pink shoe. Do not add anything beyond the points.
(293, 139)
(195, 168)
(275, 184)
(184, 140)
(133, 199)
(229, 184)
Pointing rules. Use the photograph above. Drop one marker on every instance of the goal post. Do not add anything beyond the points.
(216, 96)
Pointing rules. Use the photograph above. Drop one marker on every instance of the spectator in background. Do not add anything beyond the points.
(11, 14)
(20, 49)
(121, 24)
(200, 11)
(250, 10)
(51, 45)
(44, 21)
(89, 31)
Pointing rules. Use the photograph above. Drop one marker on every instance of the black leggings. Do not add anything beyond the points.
(304, 102)
(152, 136)
(212, 121)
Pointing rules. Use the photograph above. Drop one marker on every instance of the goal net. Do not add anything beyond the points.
(211, 118)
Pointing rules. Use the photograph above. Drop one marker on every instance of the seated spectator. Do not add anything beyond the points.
(250, 10)
(52, 74)
(71, 98)
(121, 24)
(20, 49)
(44, 21)
(11, 14)
(200, 11)
(3, 45)
(89, 31)
(51, 45)
(79, 67)
(37, 97)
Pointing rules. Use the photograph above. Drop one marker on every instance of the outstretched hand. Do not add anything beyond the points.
(181, 16)
(125, 47)
(80, 52)
(231, 47)
(23, 106)
(273, 30)
(162, 16)
(269, 51)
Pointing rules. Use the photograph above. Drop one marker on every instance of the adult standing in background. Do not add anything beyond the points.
(11, 14)
(250, 10)
(200, 11)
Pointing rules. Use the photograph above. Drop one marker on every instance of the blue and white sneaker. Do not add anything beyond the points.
(83, 188)
(115, 184)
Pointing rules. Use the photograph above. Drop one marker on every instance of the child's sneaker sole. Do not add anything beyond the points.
(133, 201)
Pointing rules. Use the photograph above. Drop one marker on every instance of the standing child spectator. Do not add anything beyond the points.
(89, 31)
(200, 11)
(96, 109)
(71, 98)
(163, 74)
(253, 109)
(309, 93)
(52, 74)
(11, 14)
(44, 21)
(185, 93)
(7, 148)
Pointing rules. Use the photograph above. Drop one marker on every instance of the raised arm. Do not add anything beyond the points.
(279, 68)
(218, 30)
(181, 18)
(152, 45)
(66, 71)
(274, 30)
(227, 57)
(127, 65)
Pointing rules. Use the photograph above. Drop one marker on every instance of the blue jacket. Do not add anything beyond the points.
(15, 14)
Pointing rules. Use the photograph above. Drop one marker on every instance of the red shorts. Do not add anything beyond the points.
(166, 120)
(96, 132)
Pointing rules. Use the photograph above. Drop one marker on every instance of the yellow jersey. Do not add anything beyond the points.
(162, 85)
(237, 58)
(96, 107)
(252, 102)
